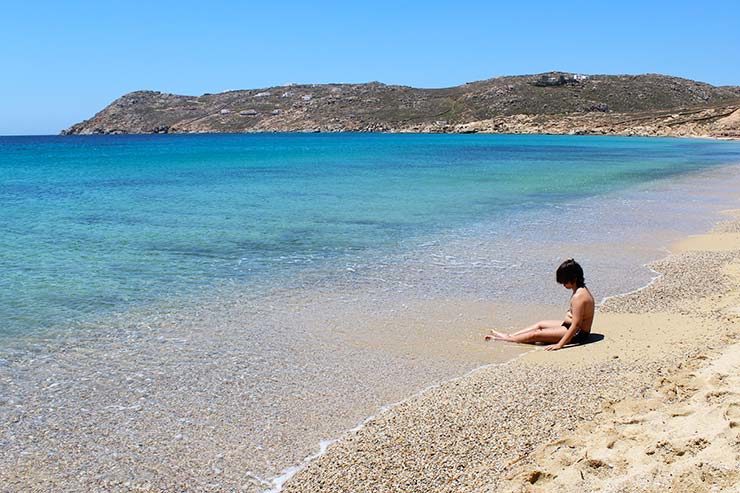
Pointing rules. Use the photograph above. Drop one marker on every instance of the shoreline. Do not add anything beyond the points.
(287, 474)
(275, 484)
(698, 136)
(328, 472)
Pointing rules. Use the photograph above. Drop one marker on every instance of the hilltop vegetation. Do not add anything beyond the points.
(493, 105)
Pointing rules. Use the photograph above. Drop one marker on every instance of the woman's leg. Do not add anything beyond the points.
(550, 335)
(542, 324)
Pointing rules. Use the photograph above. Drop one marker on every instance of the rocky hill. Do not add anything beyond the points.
(554, 102)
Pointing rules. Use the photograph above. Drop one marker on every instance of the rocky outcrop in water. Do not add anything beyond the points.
(555, 102)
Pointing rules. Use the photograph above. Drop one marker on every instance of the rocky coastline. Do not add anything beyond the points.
(550, 103)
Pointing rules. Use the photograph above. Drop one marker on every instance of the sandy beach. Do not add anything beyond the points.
(652, 403)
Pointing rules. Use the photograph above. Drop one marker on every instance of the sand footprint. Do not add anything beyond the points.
(716, 396)
(635, 420)
(732, 414)
(590, 467)
(681, 411)
(720, 477)
(669, 452)
(692, 447)
(612, 438)
(664, 450)
(717, 380)
(565, 451)
(539, 477)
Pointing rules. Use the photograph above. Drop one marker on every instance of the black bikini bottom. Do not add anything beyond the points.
(579, 338)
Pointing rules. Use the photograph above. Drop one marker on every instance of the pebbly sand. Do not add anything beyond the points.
(651, 404)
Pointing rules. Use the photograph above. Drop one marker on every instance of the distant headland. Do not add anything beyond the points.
(549, 103)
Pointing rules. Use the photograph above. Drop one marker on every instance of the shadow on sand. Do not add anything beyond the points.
(592, 338)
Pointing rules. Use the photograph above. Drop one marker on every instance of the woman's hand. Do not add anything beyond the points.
(553, 347)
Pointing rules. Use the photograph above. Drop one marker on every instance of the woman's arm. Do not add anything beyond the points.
(577, 306)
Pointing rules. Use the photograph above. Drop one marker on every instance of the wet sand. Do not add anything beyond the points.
(651, 404)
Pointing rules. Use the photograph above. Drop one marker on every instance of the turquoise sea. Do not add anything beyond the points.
(207, 309)
(97, 224)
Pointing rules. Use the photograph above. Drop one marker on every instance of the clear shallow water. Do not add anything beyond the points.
(93, 225)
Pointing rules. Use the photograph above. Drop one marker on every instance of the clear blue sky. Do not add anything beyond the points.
(62, 61)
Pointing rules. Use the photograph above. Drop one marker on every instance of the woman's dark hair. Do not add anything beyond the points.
(570, 271)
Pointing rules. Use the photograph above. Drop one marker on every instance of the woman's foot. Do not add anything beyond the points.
(496, 336)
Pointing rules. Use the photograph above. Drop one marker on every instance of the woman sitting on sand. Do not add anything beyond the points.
(577, 324)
